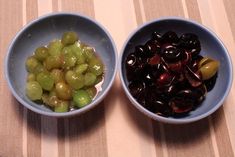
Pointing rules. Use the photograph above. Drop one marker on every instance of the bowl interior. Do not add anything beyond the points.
(44, 30)
(211, 47)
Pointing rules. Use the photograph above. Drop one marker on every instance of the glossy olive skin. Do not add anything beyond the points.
(168, 76)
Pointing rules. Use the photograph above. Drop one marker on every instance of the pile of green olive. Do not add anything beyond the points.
(65, 74)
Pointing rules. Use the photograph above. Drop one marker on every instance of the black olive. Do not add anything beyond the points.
(193, 78)
(210, 83)
(139, 51)
(156, 36)
(132, 61)
(172, 54)
(152, 47)
(136, 87)
(183, 102)
(170, 37)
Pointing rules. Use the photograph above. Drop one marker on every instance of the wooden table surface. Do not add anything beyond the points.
(115, 128)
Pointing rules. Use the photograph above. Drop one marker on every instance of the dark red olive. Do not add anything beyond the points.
(158, 69)
(165, 79)
(186, 58)
(183, 101)
(154, 60)
(136, 87)
(156, 36)
(170, 37)
(199, 94)
(193, 78)
(175, 67)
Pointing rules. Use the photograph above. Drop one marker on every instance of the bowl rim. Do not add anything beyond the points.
(95, 102)
(166, 119)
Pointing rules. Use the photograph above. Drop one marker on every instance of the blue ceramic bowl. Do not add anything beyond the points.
(211, 46)
(40, 32)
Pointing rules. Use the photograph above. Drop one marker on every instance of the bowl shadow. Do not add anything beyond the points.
(73, 127)
(172, 134)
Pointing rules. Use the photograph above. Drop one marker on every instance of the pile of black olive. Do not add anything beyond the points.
(168, 76)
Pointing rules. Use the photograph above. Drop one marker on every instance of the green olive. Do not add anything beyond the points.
(52, 62)
(90, 79)
(92, 91)
(41, 53)
(209, 70)
(69, 61)
(53, 101)
(89, 53)
(96, 66)
(45, 80)
(57, 75)
(63, 91)
(80, 69)
(81, 98)
(55, 47)
(31, 64)
(33, 90)
(204, 61)
(74, 80)
(31, 77)
(69, 38)
(63, 106)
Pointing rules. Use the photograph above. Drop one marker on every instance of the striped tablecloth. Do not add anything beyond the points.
(115, 128)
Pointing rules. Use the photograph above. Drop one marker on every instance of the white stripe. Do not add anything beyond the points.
(142, 10)
(185, 9)
(59, 5)
(213, 138)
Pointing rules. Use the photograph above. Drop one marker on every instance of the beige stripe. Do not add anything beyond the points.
(163, 140)
(24, 135)
(218, 21)
(49, 146)
(11, 112)
(193, 10)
